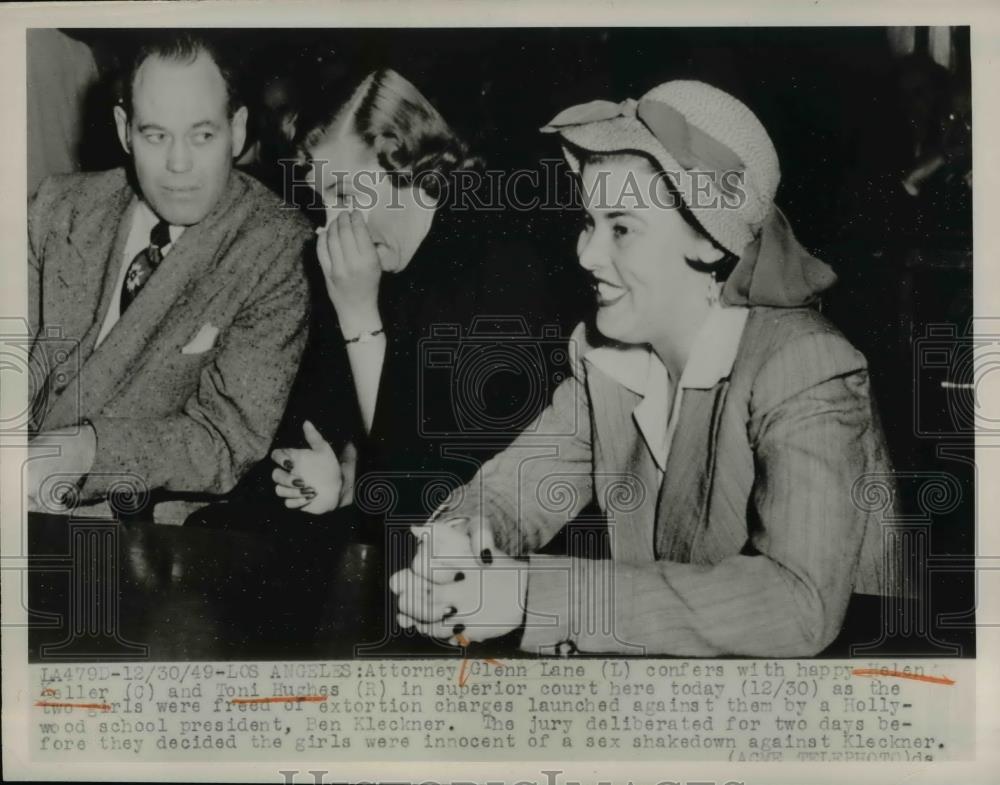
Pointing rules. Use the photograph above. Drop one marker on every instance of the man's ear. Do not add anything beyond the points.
(124, 132)
(238, 124)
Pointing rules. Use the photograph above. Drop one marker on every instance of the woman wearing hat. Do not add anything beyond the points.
(718, 419)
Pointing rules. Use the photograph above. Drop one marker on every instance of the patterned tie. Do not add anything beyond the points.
(144, 264)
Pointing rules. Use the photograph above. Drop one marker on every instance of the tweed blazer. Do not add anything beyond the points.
(187, 389)
(752, 543)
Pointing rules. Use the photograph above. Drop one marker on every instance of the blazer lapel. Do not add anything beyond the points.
(621, 455)
(112, 268)
(121, 351)
(104, 368)
(683, 504)
(151, 306)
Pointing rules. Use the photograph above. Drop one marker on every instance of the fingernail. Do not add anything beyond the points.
(309, 493)
(459, 576)
(458, 629)
(299, 483)
(288, 465)
(452, 610)
(486, 555)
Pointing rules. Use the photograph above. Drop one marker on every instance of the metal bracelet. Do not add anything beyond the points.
(365, 337)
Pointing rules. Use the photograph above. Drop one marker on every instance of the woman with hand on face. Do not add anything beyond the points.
(379, 209)
(718, 419)
(379, 159)
(396, 258)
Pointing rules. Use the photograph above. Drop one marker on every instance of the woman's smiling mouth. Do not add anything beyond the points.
(607, 292)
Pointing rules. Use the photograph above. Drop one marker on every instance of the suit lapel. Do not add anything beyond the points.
(112, 257)
(107, 366)
(682, 507)
(621, 455)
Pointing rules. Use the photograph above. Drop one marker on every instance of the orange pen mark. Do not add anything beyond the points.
(59, 705)
(49, 691)
(283, 699)
(463, 672)
(902, 675)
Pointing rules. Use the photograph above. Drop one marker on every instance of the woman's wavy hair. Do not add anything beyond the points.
(409, 137)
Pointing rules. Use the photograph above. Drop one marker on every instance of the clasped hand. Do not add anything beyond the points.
(315, 480)
(460, 584)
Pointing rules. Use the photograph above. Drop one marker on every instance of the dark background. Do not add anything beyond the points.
(849, 118)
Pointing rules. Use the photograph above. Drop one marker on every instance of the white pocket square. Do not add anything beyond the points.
(203, 341)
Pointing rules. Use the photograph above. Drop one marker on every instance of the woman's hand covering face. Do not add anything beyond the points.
(314, 480)
(351, 271)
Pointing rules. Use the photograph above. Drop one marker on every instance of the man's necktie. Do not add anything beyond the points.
(144, 264)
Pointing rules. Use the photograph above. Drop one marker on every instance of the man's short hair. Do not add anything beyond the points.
(183, 46)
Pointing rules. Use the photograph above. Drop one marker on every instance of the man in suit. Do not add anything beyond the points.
(168, 303)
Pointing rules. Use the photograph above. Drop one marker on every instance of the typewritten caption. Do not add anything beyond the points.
(795, 710)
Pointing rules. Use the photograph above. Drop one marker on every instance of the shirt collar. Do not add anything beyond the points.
(638, 369)
(713, 353)
(146, 219)
(712, 356)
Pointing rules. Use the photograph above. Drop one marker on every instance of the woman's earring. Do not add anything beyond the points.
(713, 291)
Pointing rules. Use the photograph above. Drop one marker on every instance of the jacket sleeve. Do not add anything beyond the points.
(540, 482)
(228, 422)
(786, 592)
(38, 206)
(43, 210)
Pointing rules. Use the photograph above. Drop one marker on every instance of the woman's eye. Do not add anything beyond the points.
(154, 138)
(203, 137)
(619, 230)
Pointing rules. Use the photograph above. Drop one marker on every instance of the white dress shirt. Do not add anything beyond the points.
(143, 221)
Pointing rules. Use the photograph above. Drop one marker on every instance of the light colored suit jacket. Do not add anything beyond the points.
(187, 389)
(755, 539)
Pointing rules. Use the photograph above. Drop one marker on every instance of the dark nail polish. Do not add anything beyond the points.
(299, 483)
(452, 610)
(486, 555)
(459, 576)
(288, 465)
(309, 493)
(458, 629)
